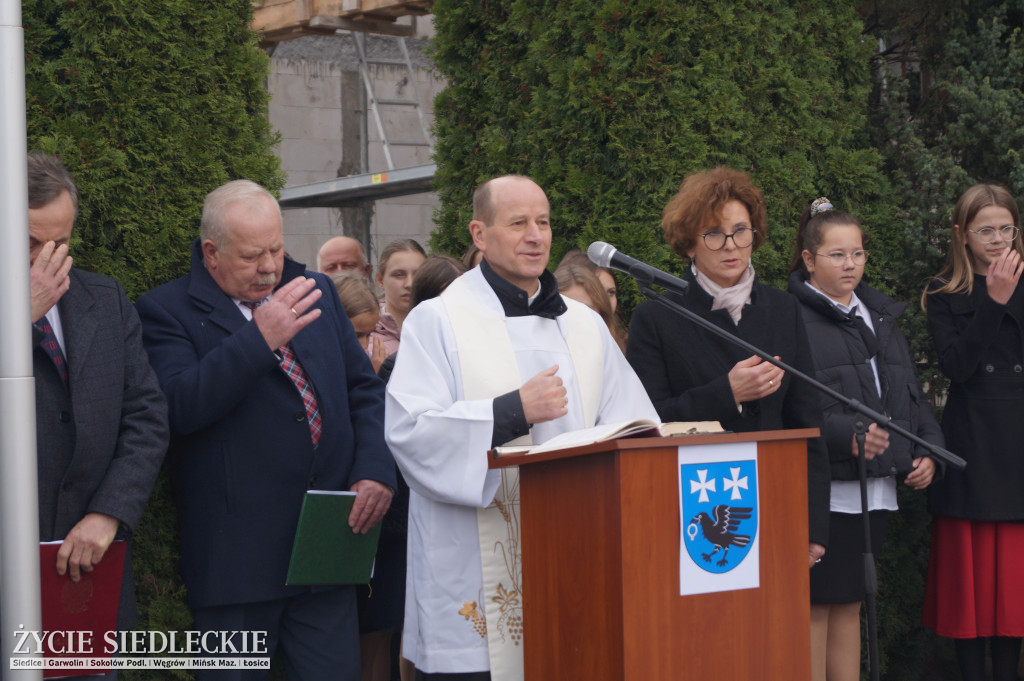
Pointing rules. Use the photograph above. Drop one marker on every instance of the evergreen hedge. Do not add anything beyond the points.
(609, 105)
(151, 105)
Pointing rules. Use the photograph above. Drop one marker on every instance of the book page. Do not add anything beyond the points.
(586, 436)
(615, 431)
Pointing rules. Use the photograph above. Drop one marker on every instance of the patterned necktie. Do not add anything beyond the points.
(52, 348)
(866, 334)
(293, 369)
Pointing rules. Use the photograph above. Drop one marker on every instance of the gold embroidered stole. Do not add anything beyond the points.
(489, 368)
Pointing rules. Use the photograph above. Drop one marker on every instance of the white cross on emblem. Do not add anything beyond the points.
(734, 484)
(703, 486)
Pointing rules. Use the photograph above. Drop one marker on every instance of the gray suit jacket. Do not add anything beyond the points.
(100, 439)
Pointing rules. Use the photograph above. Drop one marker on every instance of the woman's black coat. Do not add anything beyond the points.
(685, 371)
(842, 362)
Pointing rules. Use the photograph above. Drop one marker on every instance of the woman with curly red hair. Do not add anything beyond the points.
(715, 221)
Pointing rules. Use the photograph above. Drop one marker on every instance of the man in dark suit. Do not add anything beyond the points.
(101, 419)
(248, 439)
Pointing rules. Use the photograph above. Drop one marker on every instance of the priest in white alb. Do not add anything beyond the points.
(499, 358)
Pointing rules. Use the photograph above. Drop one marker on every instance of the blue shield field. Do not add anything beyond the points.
(719, 513)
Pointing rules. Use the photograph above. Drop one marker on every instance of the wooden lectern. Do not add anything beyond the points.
(600, 564)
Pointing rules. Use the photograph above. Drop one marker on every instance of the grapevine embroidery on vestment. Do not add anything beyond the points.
(472, 614)
(509, 599)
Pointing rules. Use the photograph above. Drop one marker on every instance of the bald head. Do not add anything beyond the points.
(483, 200)
(342, 254)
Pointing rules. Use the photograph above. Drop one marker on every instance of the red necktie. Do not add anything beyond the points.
(52, 348)
(293, 369)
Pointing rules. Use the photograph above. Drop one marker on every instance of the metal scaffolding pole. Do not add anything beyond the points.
(19, 505)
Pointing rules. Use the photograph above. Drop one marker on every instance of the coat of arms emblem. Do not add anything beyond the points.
(720, 501)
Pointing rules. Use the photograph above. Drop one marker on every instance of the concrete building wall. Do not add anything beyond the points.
(318, 104)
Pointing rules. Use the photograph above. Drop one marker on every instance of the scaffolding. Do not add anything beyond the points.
(280, 20)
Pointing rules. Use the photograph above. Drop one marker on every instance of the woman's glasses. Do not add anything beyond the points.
(839, 259)
(741, 238)
(988, 234)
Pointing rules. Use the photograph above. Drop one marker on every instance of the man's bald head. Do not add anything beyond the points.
(342, 254)
(483, 203)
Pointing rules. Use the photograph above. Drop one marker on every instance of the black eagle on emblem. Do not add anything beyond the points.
(720, 530)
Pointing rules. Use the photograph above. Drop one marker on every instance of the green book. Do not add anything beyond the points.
(326, 550)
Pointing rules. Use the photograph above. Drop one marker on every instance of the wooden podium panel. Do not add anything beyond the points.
(600, 556)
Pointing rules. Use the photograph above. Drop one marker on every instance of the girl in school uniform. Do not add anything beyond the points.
(859, 352)
(975, 307)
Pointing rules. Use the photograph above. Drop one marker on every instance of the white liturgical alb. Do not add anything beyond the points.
(440, 440)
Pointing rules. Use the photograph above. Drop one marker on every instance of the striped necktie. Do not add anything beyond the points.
(52, 348)
(293, 369)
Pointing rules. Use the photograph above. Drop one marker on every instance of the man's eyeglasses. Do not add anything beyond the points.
(741, 238)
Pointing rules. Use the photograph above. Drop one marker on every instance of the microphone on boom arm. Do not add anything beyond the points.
(606, 255)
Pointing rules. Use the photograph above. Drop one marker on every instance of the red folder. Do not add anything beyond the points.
(88, 605)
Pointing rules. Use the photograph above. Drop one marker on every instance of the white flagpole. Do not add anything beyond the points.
(19, 505)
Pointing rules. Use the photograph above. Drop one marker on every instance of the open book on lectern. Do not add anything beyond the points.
(615, 431)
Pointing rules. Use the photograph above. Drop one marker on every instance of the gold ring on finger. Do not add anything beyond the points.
(771, 383)
(295, 313)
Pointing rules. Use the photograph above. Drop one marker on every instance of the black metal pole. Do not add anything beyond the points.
(873, 416)
(870, 575)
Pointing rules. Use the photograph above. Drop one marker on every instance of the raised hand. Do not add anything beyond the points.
(285, 314)
(753, 378)
(544, 397)
(1003, 274)
(48, 278)
(379, 353)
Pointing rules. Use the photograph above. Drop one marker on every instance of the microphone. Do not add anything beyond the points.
(607, 256)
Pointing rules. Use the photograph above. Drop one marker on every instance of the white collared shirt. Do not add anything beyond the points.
(53, 316)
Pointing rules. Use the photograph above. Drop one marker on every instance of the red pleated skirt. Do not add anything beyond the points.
(975, 587)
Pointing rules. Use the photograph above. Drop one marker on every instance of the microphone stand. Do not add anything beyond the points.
(870, 577)
(882, 420)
